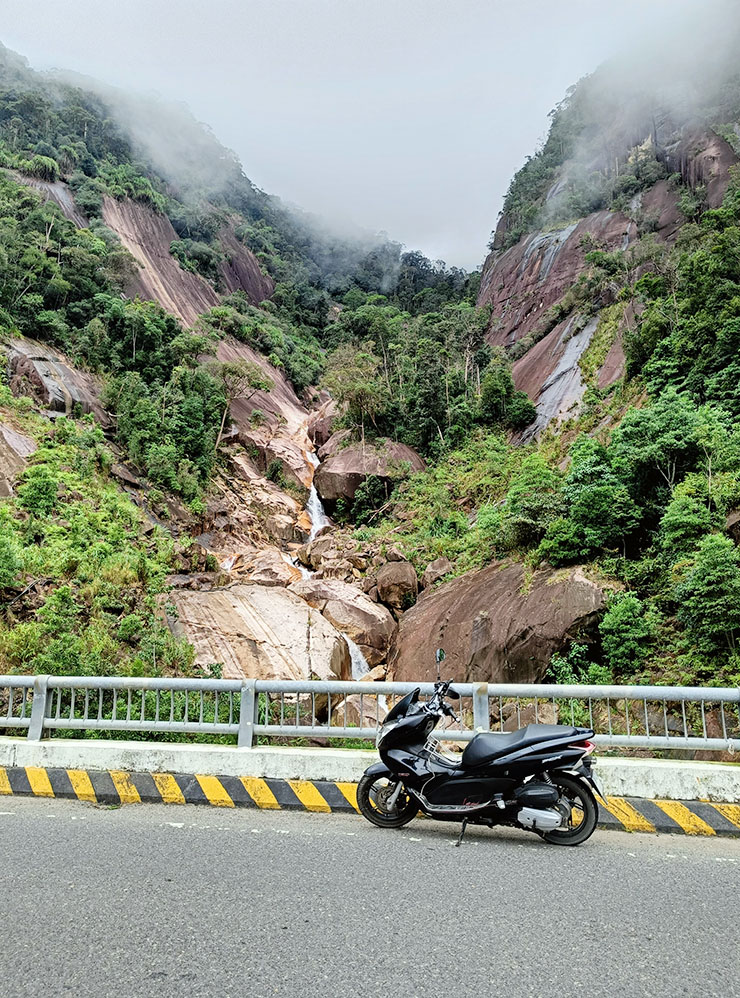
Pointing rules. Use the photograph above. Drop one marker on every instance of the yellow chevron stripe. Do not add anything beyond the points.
(168, 789)
(308, 795)
(629, 816)
(39, 780)
(691, 823)
(260, 793)
(349, 790)
(81, 784)
(214, 790)
(125, 787)
(729, 811)
(5, 787)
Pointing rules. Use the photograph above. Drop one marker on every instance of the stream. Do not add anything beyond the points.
(319, 519)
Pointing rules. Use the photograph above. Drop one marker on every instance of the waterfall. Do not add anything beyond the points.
(360, 666)
(314, 506)
(319, 519)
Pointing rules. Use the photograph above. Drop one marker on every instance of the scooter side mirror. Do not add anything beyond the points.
(440, 655)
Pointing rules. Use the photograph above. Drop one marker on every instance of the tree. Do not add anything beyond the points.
(657, 444)
(685, 521)
(352, 378)
(239, 379)
(709, 597)
(625, 630)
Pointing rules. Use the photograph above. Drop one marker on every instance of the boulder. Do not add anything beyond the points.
(38, 370)
(397, 584)
(319, 423)
(341, 474)
(357, 711)
(435, 571)
(496, 624)
(15, 449)
(270, 568)
(368, 624)
(260, 632)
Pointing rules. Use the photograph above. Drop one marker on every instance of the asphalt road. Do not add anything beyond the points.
(183, 901)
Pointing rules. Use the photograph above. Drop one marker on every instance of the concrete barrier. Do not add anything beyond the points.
(669, 780)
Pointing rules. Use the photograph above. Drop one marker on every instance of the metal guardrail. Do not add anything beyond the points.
(652, 717)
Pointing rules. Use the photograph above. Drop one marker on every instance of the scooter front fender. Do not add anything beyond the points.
(377, 769)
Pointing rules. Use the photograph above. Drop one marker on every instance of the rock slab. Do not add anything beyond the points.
(496, 625)
(260, 632)
(368, 624)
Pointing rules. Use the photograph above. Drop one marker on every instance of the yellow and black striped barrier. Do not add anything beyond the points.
(115, 787)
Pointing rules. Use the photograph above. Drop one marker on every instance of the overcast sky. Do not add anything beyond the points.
(408, 116)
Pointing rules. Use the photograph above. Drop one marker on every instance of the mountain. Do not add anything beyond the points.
(547, 451)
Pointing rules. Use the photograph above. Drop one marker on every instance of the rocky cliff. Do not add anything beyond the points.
(527, 284)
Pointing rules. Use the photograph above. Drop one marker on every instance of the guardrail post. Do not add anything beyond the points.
(248, 707)
(38, 708)
(481, 715)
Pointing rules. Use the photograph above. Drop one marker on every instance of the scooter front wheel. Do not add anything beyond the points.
(374, 799)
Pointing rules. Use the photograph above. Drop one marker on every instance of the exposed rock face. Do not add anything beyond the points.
(435, 571)
(368, 624)
(397, 584)
(39, 370)
(59, 193)
(343, 472)
(258, 632)
(320, 421)
(15, 449)
(494, 624)
(281, 432)
(524, 281)
(148, 236)
(241, 270)
(270, 568)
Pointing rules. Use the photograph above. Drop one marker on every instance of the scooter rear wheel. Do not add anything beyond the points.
(372, 795)
(584, 812)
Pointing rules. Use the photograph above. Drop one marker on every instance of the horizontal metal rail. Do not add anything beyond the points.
(646, 717)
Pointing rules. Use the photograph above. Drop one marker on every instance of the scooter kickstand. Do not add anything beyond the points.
(462, 831)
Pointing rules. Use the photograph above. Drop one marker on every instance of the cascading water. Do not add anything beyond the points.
(314, 506)
(319, 519)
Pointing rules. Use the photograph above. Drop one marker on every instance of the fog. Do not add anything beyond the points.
(408, 116)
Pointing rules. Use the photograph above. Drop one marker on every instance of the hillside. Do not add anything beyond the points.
(538, 465)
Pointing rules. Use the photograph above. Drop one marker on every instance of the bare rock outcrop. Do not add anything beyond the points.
(260, 632)
(58, 192)
(15, 449)
(496, 624)
(148, 235)
(271, 425)
(344, 471)
(397, 584)
(522, 282)
(435, 571)
(241, 270)
(46, 374)
(368, 624)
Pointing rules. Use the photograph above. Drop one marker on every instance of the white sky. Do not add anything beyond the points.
(408, 116)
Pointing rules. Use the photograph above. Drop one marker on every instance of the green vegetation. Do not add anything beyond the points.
(73, 533)
(426, 380)
(644, 500)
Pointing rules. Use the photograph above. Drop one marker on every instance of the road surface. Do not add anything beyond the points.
(162, 901)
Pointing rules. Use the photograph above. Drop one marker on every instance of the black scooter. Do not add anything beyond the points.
(538, 778)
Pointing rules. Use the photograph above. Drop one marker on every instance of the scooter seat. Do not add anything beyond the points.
(488, 746)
